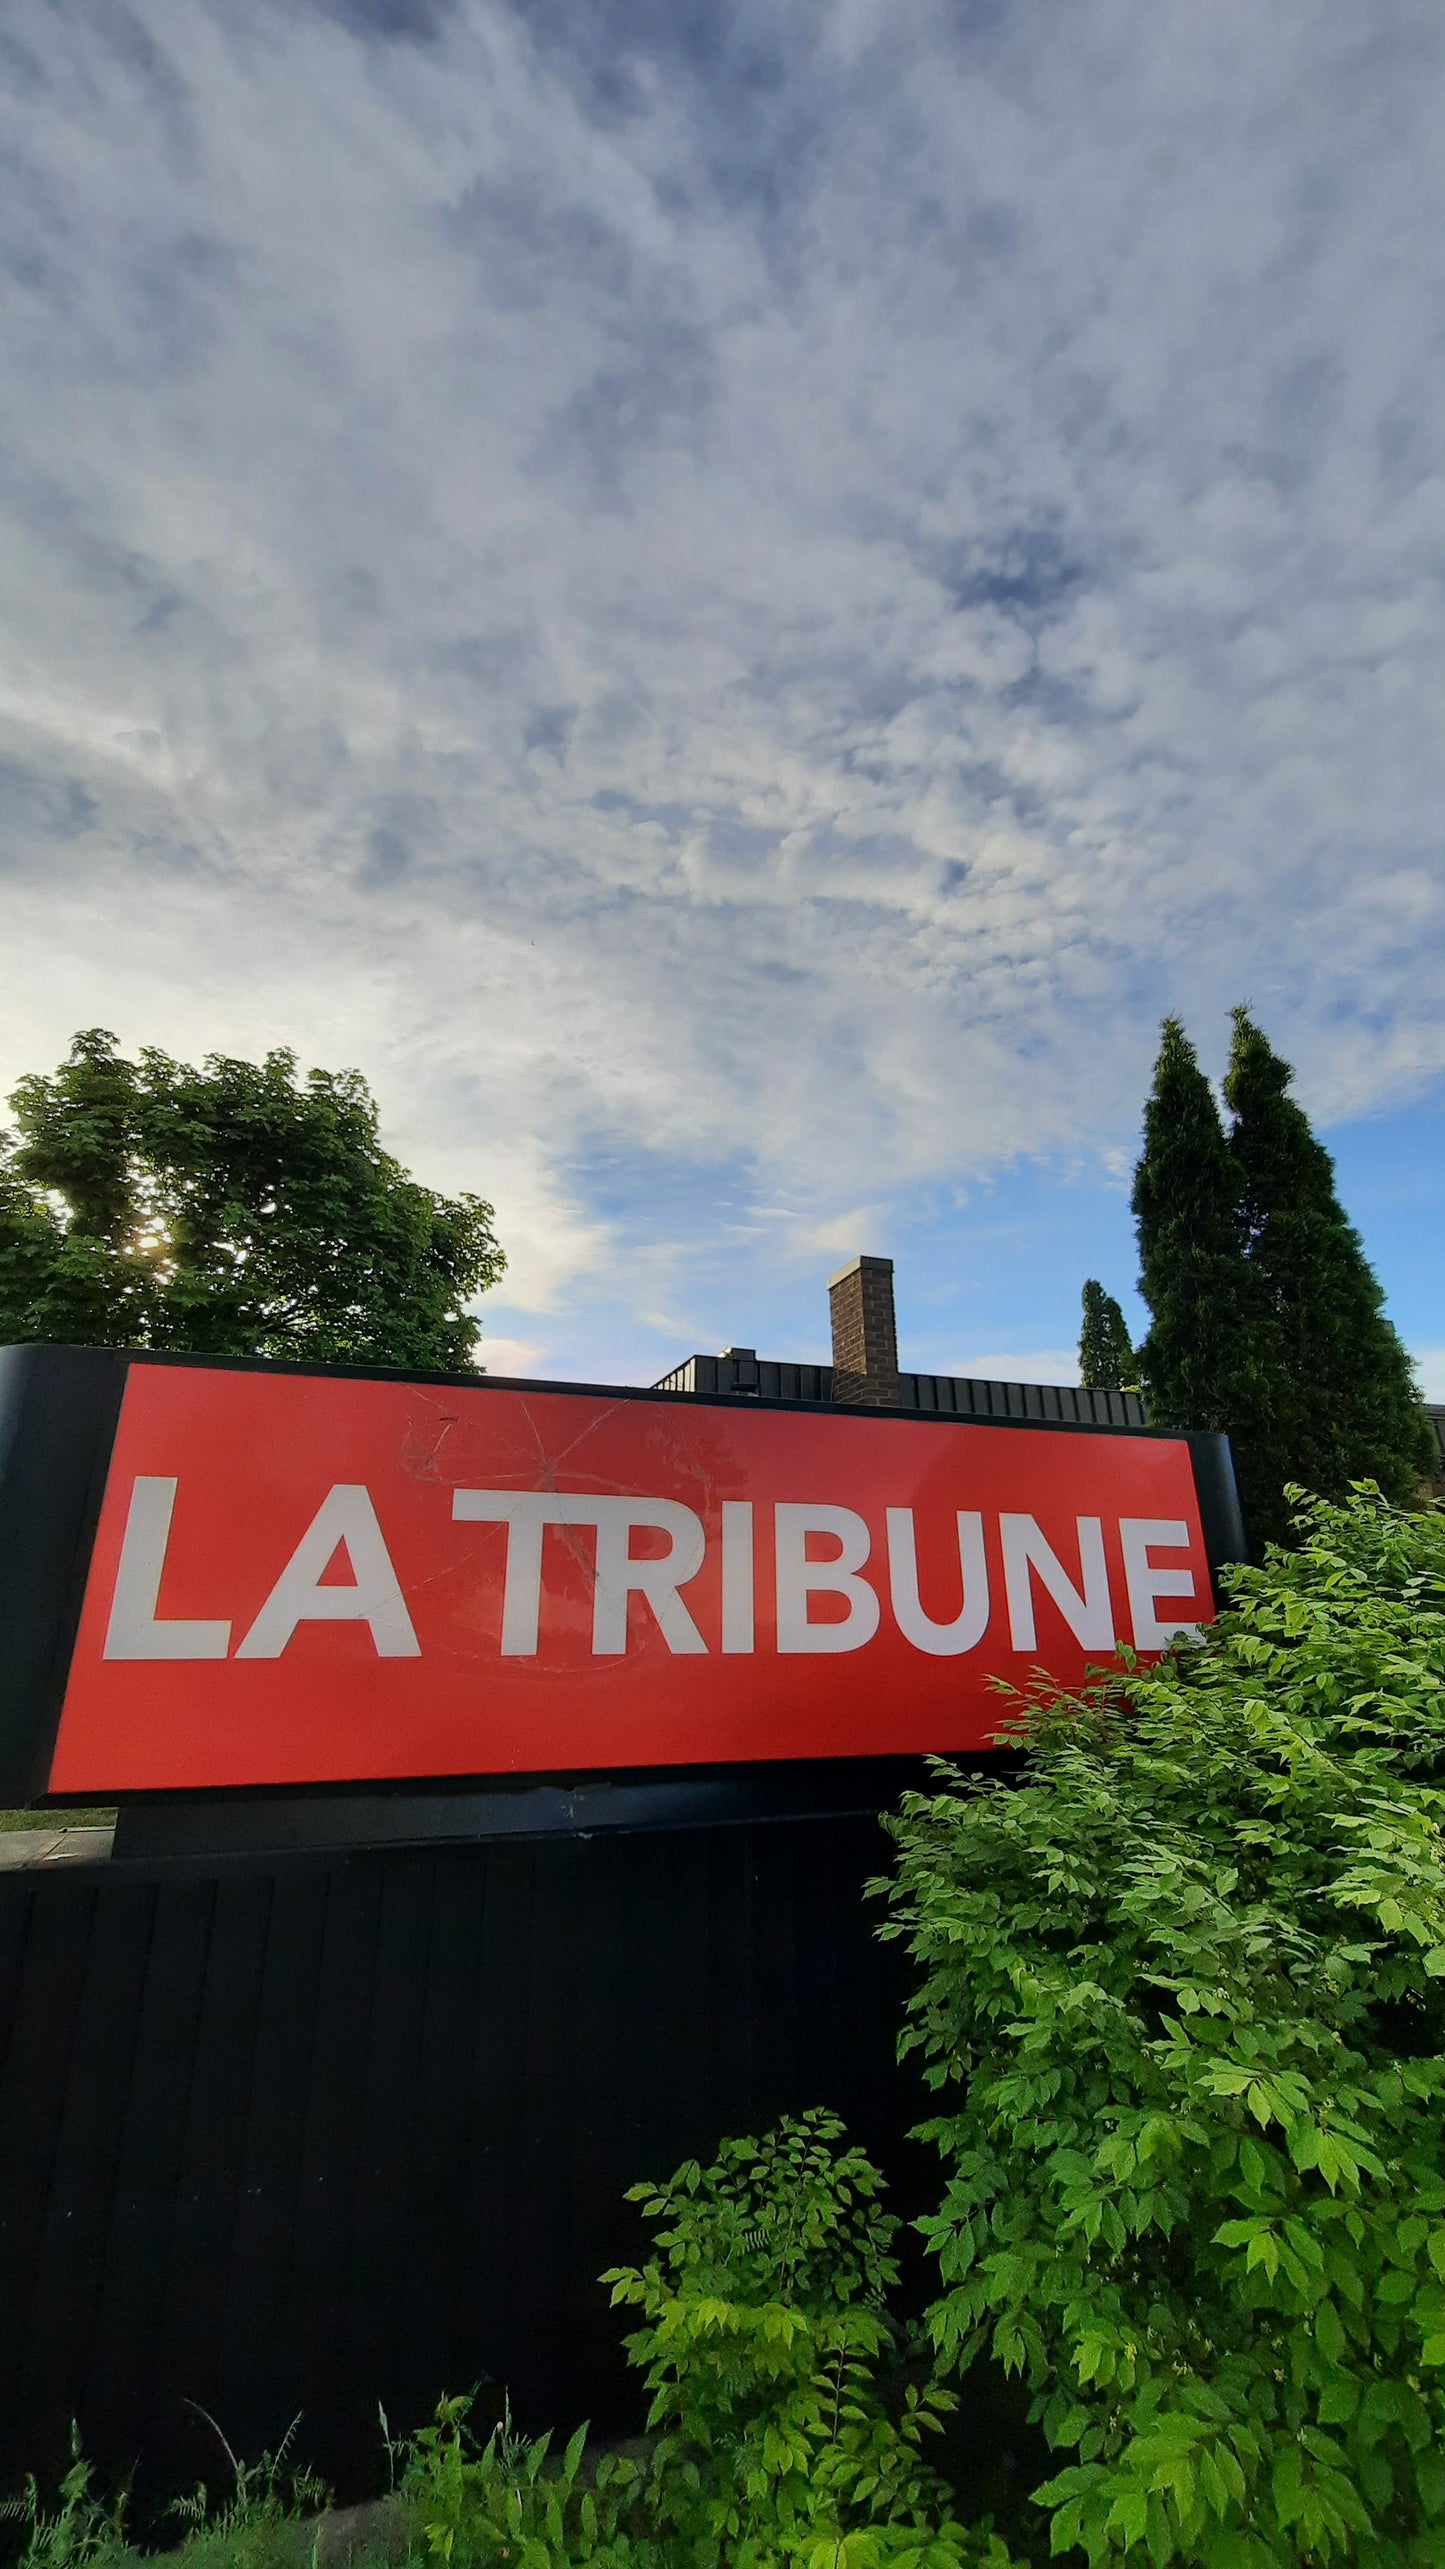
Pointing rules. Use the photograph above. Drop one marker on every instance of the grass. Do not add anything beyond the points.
(56, 1819)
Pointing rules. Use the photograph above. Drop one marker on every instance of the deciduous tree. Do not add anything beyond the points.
(230, 1209)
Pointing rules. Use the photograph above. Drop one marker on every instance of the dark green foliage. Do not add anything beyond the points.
(230, 1210)
(1183, 2002)
(1107, 1362)
(1345, 1404)
(1266, 1319)
(1204, 1362)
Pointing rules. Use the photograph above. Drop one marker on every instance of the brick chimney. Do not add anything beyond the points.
(865, 1337)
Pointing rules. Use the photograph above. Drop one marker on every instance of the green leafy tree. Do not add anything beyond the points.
(1107, 1362)
(1182, 1999)
(230, 1209)
(1346, 1405)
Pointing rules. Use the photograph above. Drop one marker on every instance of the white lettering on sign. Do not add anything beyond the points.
(940, 1640)
(524, 1513)
(620, 1574)
(738, 1632)
(1138, 1537)
(1026, 1555)
(135, 1631)
(800, 1578)
(372, 1595)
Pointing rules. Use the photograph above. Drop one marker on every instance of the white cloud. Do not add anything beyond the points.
(1430, 1369)
(1037, 1365)
(773, 622)
(511, 1355)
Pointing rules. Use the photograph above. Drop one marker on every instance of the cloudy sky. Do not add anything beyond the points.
(733, 600)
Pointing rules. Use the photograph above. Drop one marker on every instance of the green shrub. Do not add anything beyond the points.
(766, 2347)
(1183, 2000)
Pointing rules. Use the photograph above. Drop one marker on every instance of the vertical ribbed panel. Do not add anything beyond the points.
(951, 1395)
(314, 2133)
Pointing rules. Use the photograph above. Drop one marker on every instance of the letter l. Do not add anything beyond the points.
(135, 1631)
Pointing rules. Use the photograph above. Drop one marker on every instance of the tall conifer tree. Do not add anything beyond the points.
(1346, 1408)
(1107, 1361)
(1209, 1359)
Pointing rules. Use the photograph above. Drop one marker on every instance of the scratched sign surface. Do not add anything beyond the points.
(318, 1579)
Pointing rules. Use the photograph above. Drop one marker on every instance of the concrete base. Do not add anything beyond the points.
(21, 1848)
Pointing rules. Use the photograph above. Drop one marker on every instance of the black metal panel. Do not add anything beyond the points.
(275, 1821)
(58, 1409)
(945, 1395)
(316, 2131)
(1221, 1518)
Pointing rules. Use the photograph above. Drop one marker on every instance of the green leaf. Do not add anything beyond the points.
(1129, 2515)
(1430, 2479)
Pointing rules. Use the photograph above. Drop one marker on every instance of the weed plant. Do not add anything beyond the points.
(262, 2521)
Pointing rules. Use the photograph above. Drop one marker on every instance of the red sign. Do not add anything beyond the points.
(303, 1579)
